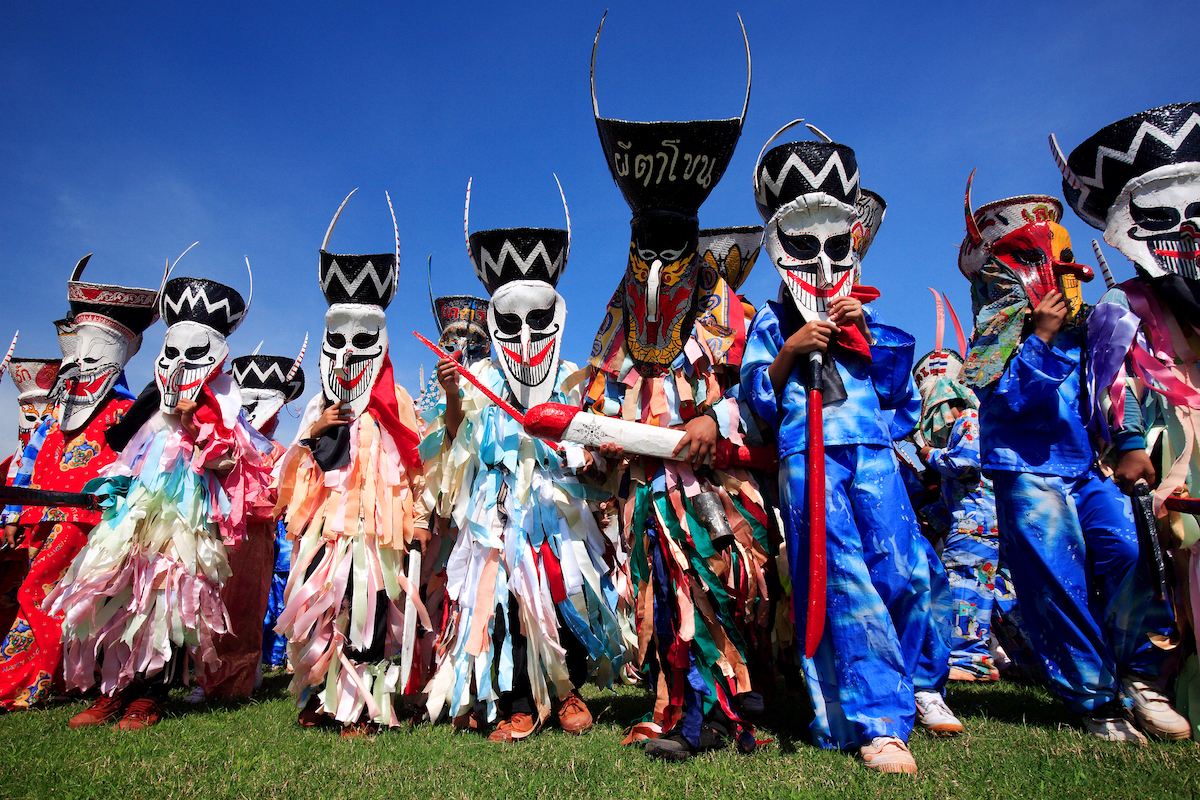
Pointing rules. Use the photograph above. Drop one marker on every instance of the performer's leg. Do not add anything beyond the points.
(970, 557)
(858, 681)
(1046, 552)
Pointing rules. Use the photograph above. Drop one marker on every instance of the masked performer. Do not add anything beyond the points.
(104, 329)
(34, 378)
(1066, 531)
(147, 587)
(266, 384)
(347, 489)
(698, 536)
(949, 444)
(1138, 180)
(880, 642)
(529, 615)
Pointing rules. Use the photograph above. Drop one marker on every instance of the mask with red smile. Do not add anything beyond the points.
(200, 314)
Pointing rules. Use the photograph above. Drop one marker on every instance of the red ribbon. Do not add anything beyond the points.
(387, 413)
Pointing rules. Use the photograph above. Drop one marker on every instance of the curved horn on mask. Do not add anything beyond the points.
(1109, 280)
(171, 269)
(958, 331)
(1068, 174)
(296, 364)
(395, 230)
(255, 352)
(11, 347)
(566, 211)
(972, 228)
(467, 224)
(817, 132)
(429, 276)
(940, 330)
(250, 298)
(774, 136)
(749, 73)
(595, 44)
(78, 271)
(333, 222)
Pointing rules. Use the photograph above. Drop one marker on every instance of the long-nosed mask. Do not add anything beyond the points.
(200, 314)
(525, 320)
(810, 242)
(352, 353)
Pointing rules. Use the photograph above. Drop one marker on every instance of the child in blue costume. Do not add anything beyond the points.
(1066, 531)
(880, 645)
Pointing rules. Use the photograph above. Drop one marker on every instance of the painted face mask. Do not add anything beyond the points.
(520, 268)
(808, 193)
(354, 345)
(463, 326)
(200, 314)
(1138, 180)
(665, 171)
(103, 331)
(34, 379)
(526, 322)
(267, 383)
(1023, 233)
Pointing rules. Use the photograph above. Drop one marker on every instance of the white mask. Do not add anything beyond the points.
(86, 379)
(525, 320)
(260, 405)
(1155, 221)
(810, 242)
(191, 354)
(352, 353)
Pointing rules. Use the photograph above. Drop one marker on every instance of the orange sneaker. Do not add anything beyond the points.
(102, 711)
(142, 713)
(513, 729)
(889, 755)
(574, 715)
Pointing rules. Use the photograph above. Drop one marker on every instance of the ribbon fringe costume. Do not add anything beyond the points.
(530, 559)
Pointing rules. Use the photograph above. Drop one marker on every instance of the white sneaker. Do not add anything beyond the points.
(935, 716)
(888, 754)
(195, 697)
(1152, 710)
(1104, 725)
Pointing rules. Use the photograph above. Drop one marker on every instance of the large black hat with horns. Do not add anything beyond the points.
(133, 310)
(359, 279)
(503, 255)
(795, 169)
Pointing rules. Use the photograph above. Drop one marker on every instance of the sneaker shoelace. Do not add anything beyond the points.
(933, 702)
(142, 709)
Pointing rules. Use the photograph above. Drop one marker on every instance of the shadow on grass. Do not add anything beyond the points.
(1014, 704)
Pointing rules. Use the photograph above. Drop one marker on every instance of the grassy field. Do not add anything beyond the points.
(1019, 743)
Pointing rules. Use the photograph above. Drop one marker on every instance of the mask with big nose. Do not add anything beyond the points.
(810, 242)
(660, 285)
(191, 352)
(525, 320)
(352, 353)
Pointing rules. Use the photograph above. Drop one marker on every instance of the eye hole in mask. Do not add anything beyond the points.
(540, 318)
(1029, 258)
(193, 353)
(335, 340)
(171, 352)
(509, 324)
(1159, 218)
(838, 247)
(364, 340)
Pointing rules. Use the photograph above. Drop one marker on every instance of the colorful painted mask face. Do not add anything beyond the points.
(525, 320)
(811, 243)
(1156, 221)
(352, 353)
(1040, 254)
(86, 379)
(191, 354)
(660, 286)
(34, 379)
(462, 322)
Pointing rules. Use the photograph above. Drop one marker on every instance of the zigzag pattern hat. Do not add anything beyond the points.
(360, 279)
(503, 255)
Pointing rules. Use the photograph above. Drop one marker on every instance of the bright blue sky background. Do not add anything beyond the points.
(134, 132)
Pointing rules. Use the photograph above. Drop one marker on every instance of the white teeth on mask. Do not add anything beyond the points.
(530, 375)
(359, 381)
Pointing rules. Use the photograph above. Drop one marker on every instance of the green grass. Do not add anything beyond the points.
(1019, 743)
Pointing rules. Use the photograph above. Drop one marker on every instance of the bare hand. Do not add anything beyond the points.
(447, 374)
(186, 409)
(846, 310)
(701, 434)
(1049, 316)
(814, 335)
(332, 416)
(924, 453)
(11, 535)
(1134, 466)
(421, 539)
(612, 451)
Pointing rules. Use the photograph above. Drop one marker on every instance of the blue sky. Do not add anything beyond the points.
(133, 132)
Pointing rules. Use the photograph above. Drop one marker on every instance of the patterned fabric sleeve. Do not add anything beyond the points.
(11, 514)
(960, 457)
(1031, 379)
